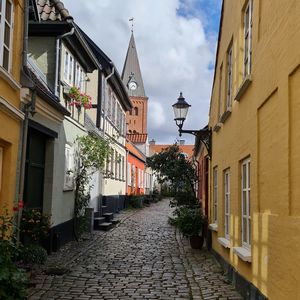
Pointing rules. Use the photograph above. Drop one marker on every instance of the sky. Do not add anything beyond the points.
(176, 44)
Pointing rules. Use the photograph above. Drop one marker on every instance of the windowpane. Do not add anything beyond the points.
(7, 36)
(244, 176)
(66, 66)
(244, 230)
(8, 12)
(0, 6)
(5, 58)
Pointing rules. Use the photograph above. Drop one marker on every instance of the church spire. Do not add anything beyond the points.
(131, 75)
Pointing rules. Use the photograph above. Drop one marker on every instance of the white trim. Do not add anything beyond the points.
(229, 78)
(215, 195)
(3, 24)
(6, 106)
(224, 242)
(213, 227)
(227, 204)
(247, 39)
(243, 253)
(245, 199)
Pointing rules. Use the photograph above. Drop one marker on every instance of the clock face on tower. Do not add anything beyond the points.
(132, 85)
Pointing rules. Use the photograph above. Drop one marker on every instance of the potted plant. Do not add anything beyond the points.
(190, 221)
(79, 99)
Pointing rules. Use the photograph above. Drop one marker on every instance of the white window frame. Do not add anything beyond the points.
(129, 174)
(227, 204)
(220, 92)
(215, 195)
(229, 77)
(3, 24)
(79, 77)
(69, 167)
(69, 67)
(245, 199)
(1, 165)
(247, 39)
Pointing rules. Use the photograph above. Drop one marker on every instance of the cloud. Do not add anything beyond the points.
(175, 52)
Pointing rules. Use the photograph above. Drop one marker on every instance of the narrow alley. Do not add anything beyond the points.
(141, 258)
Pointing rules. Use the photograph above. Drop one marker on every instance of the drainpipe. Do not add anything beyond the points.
(58, 40)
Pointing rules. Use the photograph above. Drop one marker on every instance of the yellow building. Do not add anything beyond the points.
(255, 165)
(11, 32)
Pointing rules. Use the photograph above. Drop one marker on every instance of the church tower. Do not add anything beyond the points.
(133, 81)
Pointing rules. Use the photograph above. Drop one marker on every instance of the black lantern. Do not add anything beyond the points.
(181, 108)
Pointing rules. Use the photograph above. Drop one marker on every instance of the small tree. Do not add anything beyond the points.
(91, 154)
(174, 168)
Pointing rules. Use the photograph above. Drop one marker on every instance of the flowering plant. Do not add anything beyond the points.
(79, 99)
(35, 224)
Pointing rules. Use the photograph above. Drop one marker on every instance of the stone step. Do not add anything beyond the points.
(104, 209)
(98, 221)
(115, 222)
(105, 226)
(108, 216)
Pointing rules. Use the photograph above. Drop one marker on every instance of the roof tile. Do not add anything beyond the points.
(52, 10)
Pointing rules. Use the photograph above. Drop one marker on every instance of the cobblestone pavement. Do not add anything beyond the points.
(142, 258)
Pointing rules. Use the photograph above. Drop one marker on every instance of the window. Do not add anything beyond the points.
(136, 111)
(112, 163)
(215, 195)
(6, 26)
(227, 203)
(79, 77)
(247, 38)
(116, 165)
(1, 165)
(220, 93)
(69, 168)
(113, 109)
(246, 219)
(129, 174)
(68, 68)
(229, 78)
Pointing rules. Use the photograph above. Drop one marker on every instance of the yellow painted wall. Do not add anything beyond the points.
(10, 124)
(264, 125)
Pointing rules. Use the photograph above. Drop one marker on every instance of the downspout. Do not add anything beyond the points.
(27, 108)
(58, 42)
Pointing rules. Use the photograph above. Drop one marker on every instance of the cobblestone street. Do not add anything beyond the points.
(141, 258)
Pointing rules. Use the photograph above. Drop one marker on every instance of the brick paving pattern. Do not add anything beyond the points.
(141, 258)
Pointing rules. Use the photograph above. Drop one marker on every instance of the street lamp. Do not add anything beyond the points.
(181, 108)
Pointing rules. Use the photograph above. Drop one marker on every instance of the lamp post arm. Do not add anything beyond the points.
(204, 135)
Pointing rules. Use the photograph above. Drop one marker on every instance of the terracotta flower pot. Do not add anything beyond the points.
(196, 242)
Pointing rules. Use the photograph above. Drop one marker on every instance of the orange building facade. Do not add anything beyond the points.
(136, 161)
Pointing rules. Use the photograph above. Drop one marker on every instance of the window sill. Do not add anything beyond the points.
(243, 87)
(213, 227)
(217, 127)
(225, 115)
(224, 242)
(8, 77)
(243, 253)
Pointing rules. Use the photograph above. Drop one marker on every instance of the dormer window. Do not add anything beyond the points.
(74, 74)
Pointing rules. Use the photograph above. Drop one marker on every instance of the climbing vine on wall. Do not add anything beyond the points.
(91, 154)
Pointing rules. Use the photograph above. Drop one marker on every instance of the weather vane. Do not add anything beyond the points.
(131, 20)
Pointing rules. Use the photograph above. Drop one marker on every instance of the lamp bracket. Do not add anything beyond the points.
(204, 135)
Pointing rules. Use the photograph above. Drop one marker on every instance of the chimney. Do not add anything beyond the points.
(152, 142)
(181, 142)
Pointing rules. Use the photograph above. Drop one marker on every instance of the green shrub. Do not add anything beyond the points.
(34, 254)
(13, 281)
(184, 199)
(136, 201)
(189, 221)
